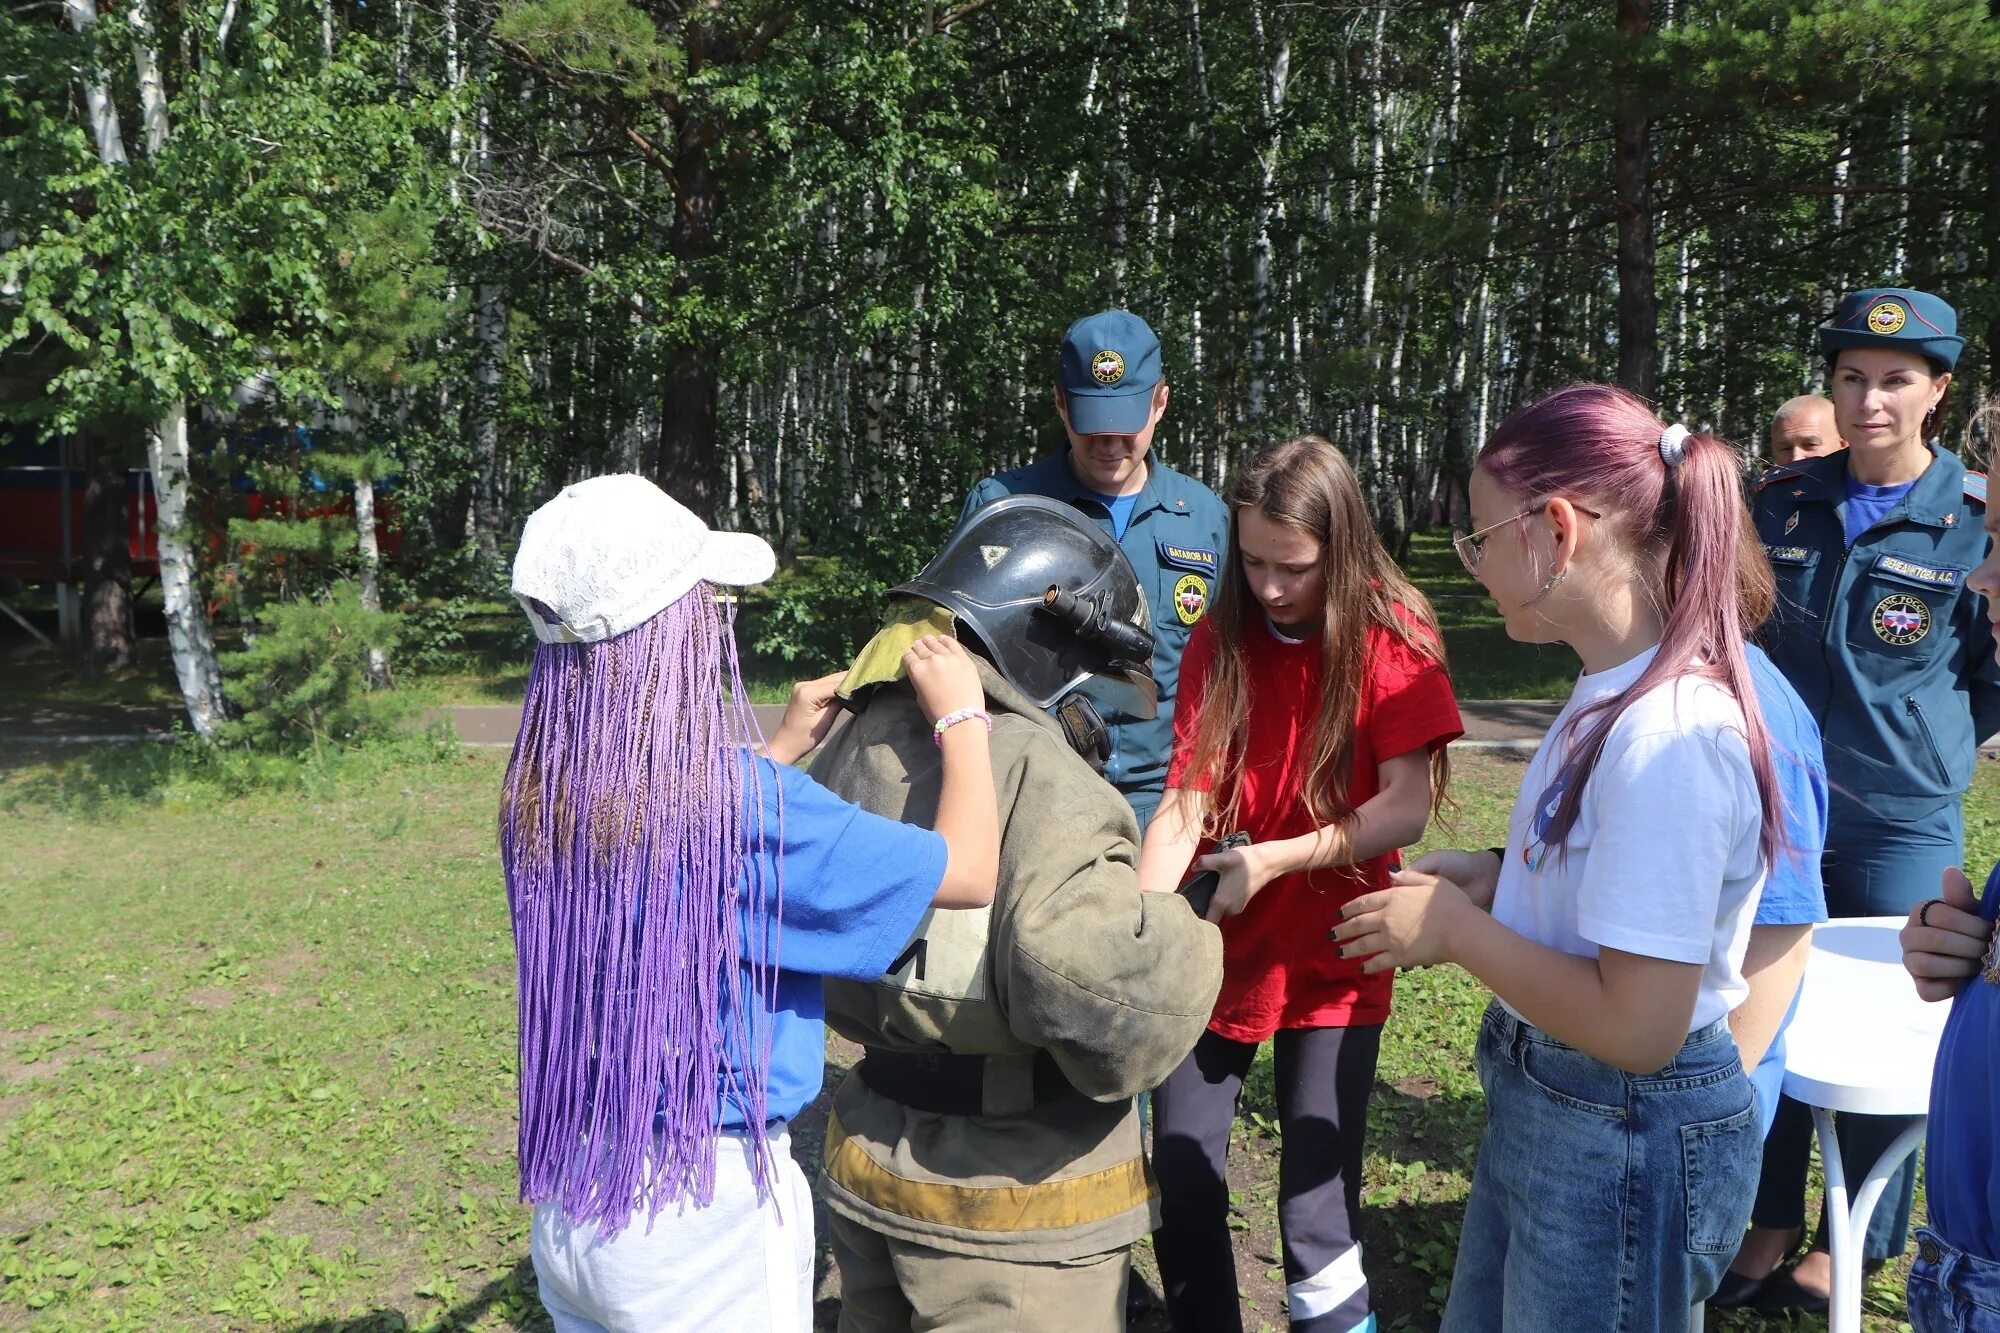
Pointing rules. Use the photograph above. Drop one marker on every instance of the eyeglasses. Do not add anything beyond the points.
(1471, 546)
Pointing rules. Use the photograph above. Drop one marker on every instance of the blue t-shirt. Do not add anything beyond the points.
(855, 886)
(1120, 508)
(1793, 893)
(1867, 504)
(1962, 1162)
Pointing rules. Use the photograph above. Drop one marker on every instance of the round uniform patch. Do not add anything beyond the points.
(1901, 619)
(1190, 598)
(1886, 317)
(1107, 367)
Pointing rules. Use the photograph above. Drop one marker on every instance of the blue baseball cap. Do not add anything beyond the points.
(1894, 317)
(1109, 364)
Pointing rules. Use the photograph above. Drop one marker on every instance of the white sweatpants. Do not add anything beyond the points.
(738, 1264)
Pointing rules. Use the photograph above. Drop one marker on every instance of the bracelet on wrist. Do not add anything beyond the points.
(950, 720)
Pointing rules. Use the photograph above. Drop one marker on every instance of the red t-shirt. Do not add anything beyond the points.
(1278, 967)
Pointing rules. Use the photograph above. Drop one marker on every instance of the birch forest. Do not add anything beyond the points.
(807, 264)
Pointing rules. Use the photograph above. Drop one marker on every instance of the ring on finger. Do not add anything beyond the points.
(1924, 912)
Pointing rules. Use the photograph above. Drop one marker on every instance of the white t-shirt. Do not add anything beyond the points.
(1663, 860)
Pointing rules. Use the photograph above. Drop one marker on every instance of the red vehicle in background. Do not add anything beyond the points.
(41, 517)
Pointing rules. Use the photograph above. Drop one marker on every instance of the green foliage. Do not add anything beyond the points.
(302, 680)
(814, 619)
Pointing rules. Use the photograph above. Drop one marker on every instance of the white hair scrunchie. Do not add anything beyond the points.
(1673, 444)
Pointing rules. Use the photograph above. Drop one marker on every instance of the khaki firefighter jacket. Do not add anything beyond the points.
(1071, 959)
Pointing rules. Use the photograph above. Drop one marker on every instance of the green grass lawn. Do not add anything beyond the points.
(256, 1056)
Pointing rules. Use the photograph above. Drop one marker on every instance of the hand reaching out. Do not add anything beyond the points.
(1945, 938)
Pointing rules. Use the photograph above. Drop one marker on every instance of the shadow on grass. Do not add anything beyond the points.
(512, 1296)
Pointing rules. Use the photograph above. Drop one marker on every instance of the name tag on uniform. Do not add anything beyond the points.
(1931, 576)
(1788, 555)
(1196, 558)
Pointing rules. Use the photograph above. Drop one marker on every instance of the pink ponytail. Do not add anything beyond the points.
(1685, 525)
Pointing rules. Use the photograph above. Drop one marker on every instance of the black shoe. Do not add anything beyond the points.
(1782, 1292)
(1138, 1298)
(1736, 1291)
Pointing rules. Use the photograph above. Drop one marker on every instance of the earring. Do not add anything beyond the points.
(1547, 584)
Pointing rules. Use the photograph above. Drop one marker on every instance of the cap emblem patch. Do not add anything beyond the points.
(1886, 318)
(1108, 367)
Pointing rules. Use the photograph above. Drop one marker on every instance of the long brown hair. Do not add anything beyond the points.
(1307, 484)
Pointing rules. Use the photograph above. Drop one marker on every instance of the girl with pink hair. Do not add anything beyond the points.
(1620, 1156)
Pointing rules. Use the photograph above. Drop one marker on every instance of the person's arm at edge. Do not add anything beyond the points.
(1395, 816)
(1624, 1008)
(1773, 964)
(968, 819)
(1168, 847)
(968, 813)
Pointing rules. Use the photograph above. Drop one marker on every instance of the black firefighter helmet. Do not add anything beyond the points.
(1054, 602)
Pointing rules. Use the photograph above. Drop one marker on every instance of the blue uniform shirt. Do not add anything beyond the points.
(1891, 652)
(1793, 894)
(1962, 1157)
(1177, 538)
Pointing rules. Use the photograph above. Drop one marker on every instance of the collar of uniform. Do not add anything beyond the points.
(1821, 478)
(1059, 476)
(1939, 492)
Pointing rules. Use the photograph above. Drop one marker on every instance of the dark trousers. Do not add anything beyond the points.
(1324, 1076)
(1871, 868)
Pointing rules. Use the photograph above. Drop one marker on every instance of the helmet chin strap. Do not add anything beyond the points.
(1084, 728)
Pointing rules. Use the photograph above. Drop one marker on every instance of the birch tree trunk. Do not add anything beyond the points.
(371, 567)
(1276, 77)
(1375, 475)
(188, 631)
(1638, 301)
(489, 334)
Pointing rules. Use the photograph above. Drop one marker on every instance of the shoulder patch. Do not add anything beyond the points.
(1200, 559)
(1975, 486)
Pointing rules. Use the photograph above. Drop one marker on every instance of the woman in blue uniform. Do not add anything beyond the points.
(1891, 650)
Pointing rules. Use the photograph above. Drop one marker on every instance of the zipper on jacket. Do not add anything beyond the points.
(1916, 710)
(1825, 635)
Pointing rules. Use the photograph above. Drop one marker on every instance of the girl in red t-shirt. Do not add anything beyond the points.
(1313, 713)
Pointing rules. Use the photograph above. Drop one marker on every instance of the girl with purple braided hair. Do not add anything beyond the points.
(678, 893)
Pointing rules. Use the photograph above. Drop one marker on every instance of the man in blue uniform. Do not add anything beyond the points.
(1111, 395)
(1892, 652)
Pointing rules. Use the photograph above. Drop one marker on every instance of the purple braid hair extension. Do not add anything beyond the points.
(639, 920)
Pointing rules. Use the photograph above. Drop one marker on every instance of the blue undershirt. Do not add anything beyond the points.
(1121, 507)
(1793, 894)
(1867, 504)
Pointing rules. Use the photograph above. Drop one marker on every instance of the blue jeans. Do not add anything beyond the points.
(1602, 1199)
(1951, 1291)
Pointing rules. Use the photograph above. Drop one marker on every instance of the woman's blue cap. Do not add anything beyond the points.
(1109, 364)
(1894, 317)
